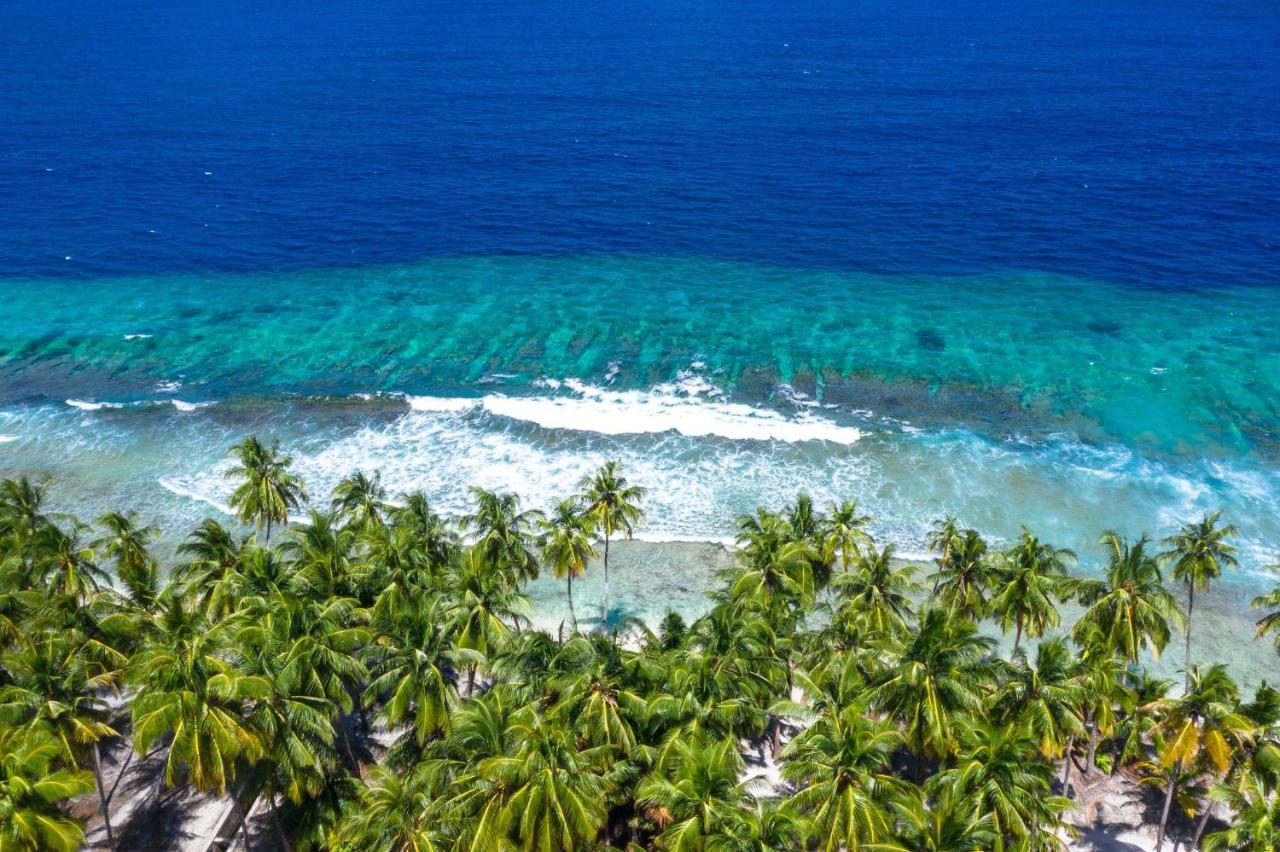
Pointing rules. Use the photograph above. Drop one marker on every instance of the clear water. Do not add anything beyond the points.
(1069, 405)
(1015, 263)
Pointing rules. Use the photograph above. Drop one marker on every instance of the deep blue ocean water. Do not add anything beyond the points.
(1013, 262)
(1135, 142)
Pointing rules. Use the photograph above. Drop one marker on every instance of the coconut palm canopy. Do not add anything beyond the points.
(374, 680)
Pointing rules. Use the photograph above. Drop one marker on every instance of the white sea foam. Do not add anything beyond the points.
(800, 399)
(688, 407)
(190, 406)
(657, 537)
(671, 439)
(441, 403)
(4, 439)
(691, 405)
(137, 336)
(169, 386)
(89, 405)
(196, 489)
(696, 487)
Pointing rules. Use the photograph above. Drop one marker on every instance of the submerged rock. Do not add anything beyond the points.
(930, 340)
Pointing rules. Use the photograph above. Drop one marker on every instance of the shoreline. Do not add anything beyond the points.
(645, 583)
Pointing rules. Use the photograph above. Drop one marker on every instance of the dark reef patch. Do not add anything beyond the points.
(930, 340)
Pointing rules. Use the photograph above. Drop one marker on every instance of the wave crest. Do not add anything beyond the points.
(691, 407)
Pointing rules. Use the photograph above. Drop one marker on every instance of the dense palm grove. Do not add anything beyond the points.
(371, 677)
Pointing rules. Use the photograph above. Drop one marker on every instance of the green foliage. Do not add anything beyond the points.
(32, 786)
(267, 491)
(373, 675)
(1131, 609)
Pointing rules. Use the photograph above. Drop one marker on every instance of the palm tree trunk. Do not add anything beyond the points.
(346, 744)
(244, 824)
(266, 542)
(604, 607)
(1164, 814)
(1200, 826)
(275, 817)
(1066, 765)
(1191, 605)
(471, 681)
(1017, 636)
(573, 619)
(1093, 744)
(102, 795)
(128, 758)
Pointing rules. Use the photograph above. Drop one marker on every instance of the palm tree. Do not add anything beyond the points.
(566, 546)
(483, 609)
(294, 724)
(1137, 721)
(877, 592)
(261, 575)
(361, 499)
(64, 563)
(1100, 677)
(1256, 823)
(190, 694)
(1199, 551)
(126, 543)
(998, 774)
(323, 554)
(1031, 575)
(713, 683)
(933, 679)
(506, 535)
(804, 522)
(433, 536)
(53, 687)
(1131, 608)
(268, 491)
(947, 824)
(843, 535)
(841, 763)
(212, 554)
(1269, 623)
(597, 700)
(943, 536)
(613, 507)
(395, 570)
(557, 798)
(1044, 697)
(1201, 728)
(1262, 760)
(412, 670)
(774, 569)
(22, 507)
(764, 827)
(395, 812)
(960, 583)
(32, 792)
(697, 795)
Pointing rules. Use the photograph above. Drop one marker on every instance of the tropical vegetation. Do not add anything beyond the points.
(364, 673)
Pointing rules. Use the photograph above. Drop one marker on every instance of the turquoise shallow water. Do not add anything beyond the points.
(1167, 370)
(1070, 405)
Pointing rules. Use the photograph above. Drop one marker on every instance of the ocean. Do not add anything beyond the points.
(1012, 263)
